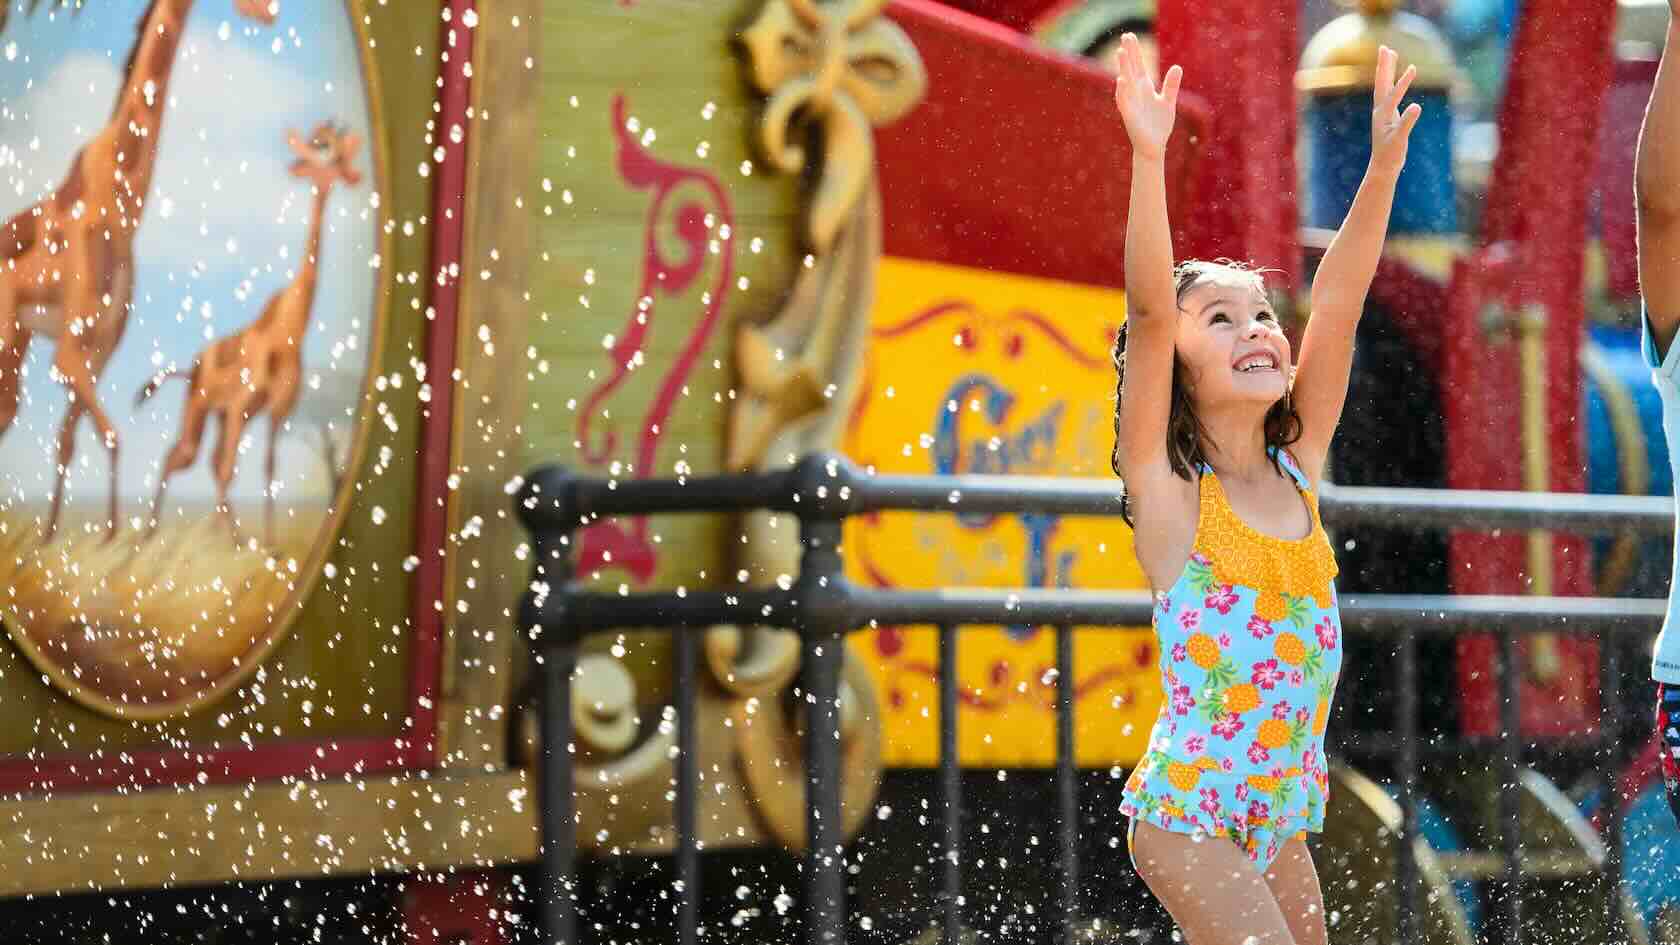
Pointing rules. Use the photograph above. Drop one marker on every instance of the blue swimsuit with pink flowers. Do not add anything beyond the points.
(1250, 643)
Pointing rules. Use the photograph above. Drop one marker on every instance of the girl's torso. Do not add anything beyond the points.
(1250, 642)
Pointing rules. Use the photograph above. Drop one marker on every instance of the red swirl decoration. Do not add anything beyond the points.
(1006, 324)
(624, 543)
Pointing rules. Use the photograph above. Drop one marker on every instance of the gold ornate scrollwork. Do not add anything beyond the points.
(831, 71)
(836, 68)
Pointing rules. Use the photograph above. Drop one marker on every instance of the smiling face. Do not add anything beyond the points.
(1231, 342)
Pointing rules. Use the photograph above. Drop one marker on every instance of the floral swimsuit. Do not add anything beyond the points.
(1250, 642)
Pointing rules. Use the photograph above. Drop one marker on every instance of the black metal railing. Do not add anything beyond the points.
(823, 490)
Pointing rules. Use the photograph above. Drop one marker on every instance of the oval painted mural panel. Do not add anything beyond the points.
(188, 310)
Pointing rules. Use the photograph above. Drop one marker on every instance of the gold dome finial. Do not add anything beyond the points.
(1372, 7)
(1342, 57)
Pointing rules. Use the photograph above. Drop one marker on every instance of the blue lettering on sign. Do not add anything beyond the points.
(1029, 450)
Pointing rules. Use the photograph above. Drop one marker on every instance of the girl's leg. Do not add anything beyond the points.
(1210, 888)
(1294, 884)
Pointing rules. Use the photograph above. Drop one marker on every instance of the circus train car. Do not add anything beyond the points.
(306, 685)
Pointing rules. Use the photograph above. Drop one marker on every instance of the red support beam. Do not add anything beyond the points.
(1534, 236)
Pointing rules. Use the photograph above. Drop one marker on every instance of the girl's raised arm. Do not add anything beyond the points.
(1344, 277)
(1151, 304)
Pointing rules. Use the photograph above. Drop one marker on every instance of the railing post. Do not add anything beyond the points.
(1406, 763)
(1067, 787)
(822, 491)
(687, 796)
(1610, 729)
(950, 783)
(1510, 791)
(551, 572)
(822, 612)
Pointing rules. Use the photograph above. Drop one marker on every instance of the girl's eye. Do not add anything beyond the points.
(1218, 317)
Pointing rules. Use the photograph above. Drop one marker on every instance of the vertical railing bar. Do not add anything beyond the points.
(950, 785)
(559, 830)
(1406, 732)
(1610, 727)
(1067, 789)
(824, 636)
(558, 661)
(687, 797)
(823, 615)
(1510, 792)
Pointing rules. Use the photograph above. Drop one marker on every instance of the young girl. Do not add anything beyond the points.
(1220, 440)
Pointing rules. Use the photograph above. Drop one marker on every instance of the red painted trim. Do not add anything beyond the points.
(431, 507)
(1049, 329)
(416, 747)
(266, 761)
(922, 318)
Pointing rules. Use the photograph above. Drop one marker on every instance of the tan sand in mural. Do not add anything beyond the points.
(147, 631)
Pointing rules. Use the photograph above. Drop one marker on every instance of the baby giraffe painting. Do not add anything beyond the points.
(259, 369)
(67, 262)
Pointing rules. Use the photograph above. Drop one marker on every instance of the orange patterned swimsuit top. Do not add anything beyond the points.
(1278, 569)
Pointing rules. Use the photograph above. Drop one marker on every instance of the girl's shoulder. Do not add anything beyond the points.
(1165, 518)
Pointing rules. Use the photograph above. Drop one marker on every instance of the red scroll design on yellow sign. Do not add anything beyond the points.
(699, 224)
(1011, 375)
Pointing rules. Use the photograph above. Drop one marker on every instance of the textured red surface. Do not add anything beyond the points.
(1016, 160)
(1239, 56)
(1624, 112)
(456, 909)
(1015, 14)
(1534, 231)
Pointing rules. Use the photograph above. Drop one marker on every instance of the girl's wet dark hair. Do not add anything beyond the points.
(1185, 433)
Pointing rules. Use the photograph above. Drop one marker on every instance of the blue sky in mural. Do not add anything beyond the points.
(224, 227)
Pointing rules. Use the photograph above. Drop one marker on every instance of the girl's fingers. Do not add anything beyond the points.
(1134, 53)
(1385, 73)
(1169, 87)
(1123, 63)
(1409, 119)
(1399, 93)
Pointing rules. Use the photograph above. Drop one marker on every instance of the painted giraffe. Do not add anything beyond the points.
(67, 263)
(261, 367)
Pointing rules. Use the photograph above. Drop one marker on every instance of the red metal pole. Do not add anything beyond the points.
(1533, 240)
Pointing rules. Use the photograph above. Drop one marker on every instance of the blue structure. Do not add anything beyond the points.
(1336, 76)
(1626, 454)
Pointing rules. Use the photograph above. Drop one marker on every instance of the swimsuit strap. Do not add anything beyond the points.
(1287, 460)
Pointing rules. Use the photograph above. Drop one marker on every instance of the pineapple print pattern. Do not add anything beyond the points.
(1250, 643)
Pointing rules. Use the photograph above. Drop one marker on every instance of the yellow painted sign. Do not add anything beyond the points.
(974, 372)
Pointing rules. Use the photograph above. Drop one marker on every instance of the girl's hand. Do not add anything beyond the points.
(1148, 114)
(1390, 129)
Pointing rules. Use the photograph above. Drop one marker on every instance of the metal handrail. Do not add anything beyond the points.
(838, 487)
(821, 491)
